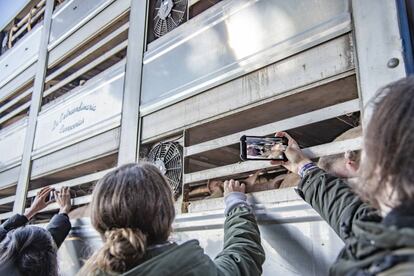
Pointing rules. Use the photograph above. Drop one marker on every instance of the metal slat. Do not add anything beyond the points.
(88, 31)
(18, 82)
(86, 68)
(74, 182)
(293, 122)
(6, 200)
(98, 146)
(15, 112)
(15, 100)
(69, 183)
(88, 52)
(6, 215)
(75, 201)
(242, 167)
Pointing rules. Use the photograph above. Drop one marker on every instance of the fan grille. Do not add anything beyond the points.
(167, 156)
(168, 14)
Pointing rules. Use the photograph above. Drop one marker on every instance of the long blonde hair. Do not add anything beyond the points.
(132, 207)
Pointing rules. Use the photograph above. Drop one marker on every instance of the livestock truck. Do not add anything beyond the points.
(88, 85)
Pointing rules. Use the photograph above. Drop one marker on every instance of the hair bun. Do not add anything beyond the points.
(123, 247)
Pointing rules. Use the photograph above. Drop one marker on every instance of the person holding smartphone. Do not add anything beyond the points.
(376, 220)
(32, 250)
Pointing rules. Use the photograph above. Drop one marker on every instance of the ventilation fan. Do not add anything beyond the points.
(168, 14)
(167, 156)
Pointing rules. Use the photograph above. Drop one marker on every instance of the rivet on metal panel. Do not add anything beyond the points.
(393, 62)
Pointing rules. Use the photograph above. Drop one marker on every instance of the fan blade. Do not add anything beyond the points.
(172, 19)
(173, 181)
(168, 161)
(158, 153)
(178, 11)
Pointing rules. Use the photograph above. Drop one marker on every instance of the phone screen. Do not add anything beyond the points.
(262, 148)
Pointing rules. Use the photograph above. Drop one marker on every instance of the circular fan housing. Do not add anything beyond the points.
(168, 14)
(167, 156)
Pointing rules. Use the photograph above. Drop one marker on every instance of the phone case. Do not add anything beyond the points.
(243, 153)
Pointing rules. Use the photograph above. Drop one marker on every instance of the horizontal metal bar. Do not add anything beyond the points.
(9, 176)
(6, 200)
(333, 148)
(68, 183)
(289, 123)
(74, 182)
(86, 68)
(242, 167)
(18, 82)
(87, 32)
(6, 215)
(101, 145)
(15, 112)
(75, 201)
(22, 29)
(88, 52)
(259, 199)
(15, 100)
(29, 15)
(78, 25)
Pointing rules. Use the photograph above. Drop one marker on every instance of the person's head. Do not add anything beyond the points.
(29, 250)
(132, 207)
(387, 162)
(346, 164)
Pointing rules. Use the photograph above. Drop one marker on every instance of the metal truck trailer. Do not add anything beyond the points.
(90, 85)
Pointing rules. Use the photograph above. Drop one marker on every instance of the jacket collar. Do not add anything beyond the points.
(401, 216)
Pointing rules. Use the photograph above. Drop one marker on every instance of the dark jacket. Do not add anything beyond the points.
(59, 226)
(242, 253)
(373, 246)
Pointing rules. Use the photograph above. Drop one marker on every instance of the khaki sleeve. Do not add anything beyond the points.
(242, 252)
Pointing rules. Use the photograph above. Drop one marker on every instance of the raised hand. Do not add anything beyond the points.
(40, 202)
(233, 186)
(296, 158)
(63, 200)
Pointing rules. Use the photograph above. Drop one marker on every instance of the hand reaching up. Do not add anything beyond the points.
(40, 202)
(63, 200)
(233, 186)
(296, 158)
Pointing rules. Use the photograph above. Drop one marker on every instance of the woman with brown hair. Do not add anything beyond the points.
(376, 221)
(31, 250)
(133, 210)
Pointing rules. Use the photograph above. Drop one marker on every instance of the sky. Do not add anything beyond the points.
(8, 9)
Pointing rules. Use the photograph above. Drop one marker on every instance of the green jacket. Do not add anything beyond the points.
(373, 246)
(242, 252)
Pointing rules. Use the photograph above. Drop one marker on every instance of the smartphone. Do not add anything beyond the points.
(52, 195)
(263, 148)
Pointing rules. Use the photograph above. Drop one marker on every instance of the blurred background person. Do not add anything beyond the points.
(32, 250)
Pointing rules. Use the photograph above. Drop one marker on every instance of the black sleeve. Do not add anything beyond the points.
(59, 227)
(11, 223)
